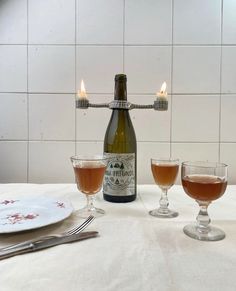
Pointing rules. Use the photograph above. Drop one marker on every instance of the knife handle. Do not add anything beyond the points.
(43, 244)
(27, 242)
(17, 251)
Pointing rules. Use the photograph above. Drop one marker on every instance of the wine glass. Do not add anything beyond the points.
(204, 182)
(164, 172)
(89, 172)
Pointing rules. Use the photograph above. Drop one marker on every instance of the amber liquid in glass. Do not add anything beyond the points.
(165, 174)
(89, 178)
(204, 187)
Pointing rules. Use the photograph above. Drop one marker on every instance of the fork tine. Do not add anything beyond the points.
(81, 227)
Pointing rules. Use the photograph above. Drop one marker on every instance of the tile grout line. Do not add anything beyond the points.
(27, 85)
(75, 47)
(220, 97)
(123, 36)
(120, 44)
(111, 93)
(76, 7)
(171, 73)
(101, 140)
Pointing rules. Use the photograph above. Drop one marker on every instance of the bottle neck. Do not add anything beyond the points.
(120, 90)
(119, 114)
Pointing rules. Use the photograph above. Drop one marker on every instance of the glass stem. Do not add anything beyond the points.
(203, 219)
(90, 205)
(164, 203)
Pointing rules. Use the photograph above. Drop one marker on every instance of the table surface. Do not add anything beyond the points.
(134, 251)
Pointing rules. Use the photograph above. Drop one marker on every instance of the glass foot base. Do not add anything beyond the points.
(167, 213)
(213, 234)
(85, 212)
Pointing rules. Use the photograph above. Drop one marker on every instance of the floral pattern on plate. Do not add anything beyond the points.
(19, 218)
(6, 202)
(30, 213)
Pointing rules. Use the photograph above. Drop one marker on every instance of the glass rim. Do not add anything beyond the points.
(95, 157)
(171, 160)
(204, 164)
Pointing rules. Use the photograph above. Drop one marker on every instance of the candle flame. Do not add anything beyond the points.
(82, 92)
(82, 87)
(163, 87)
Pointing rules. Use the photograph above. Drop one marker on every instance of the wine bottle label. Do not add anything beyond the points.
(119, 179)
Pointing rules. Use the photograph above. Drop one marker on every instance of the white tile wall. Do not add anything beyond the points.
(148, 22)
(13, 116)
(150, 125)
(51, 117)
(92, 148)
(229, 22)
(196, 69)
(147, 67)
(228, 118)
(51, 22)
(100, 26)
(47, 47)
(51, 69)
(196, 151)
(13, 21)
(227, 151)
(50, 161)
(228, 69)
(197, 22)
(97, 66)
(13, 68)
(195, 118)
(91, 124)
(13, 160)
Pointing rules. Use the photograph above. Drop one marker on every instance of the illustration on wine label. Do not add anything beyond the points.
(120, 175)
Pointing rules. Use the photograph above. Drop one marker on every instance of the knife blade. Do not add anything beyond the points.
(43, 244)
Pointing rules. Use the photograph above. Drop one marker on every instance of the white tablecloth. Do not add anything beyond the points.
(134, 251)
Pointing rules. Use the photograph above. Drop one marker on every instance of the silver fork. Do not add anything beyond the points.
(75, 230)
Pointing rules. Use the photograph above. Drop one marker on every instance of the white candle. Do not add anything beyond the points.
(162, 94)
(82, 93)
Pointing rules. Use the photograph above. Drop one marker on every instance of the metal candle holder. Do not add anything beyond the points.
(160, 104)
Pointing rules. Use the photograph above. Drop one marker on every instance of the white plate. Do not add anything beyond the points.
(30, 213)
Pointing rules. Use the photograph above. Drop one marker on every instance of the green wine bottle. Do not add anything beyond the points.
(120, 147)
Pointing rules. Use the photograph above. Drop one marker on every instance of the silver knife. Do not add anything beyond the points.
(43, 244)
